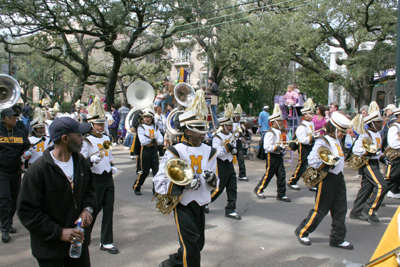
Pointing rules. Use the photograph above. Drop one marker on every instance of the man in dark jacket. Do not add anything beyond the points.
(13, 144)
(57, 190)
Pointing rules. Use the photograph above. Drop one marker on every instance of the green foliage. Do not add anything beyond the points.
(65, 106)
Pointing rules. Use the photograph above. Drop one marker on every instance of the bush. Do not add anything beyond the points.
(65, 106)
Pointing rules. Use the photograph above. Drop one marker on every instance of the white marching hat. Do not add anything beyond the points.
(396, 111)
(276, 114)
(195, 114)
(308, 107)
(390, 106)
(148, 112)
(374, 113)
(340, 121)
(228, 115)
(96, 112)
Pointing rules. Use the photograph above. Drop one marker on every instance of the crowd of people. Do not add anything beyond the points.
(69, 169)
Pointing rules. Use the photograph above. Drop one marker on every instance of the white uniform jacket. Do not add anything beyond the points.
(223, 152)
(92, 143)
(147, 132)
(393, 137)
(201, 158)
(39, 148)
(358, 148)
(334, 146)
(271, 139)
(304, 131)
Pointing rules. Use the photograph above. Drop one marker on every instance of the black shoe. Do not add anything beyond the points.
(293, 186)
(206, 209)
(12, 230)
(165, 263)
(243, 179)
(383, 205)
(112, 250)
(138, 193)
(345, 245)
(284, 199)
(5, 237)
(303, 240)
(373, 218)
(360, 217)
(260, 196)
(313, 189)
(233, 216)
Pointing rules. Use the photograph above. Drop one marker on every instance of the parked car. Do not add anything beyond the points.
(245, 118)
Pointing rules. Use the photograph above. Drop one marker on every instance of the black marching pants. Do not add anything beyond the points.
(393, 177)
(372, 187)
(240, 158)
(330, 196)
(67, 261)
(148, 159)
(10, 184)
(274, 166)
(227, 179)
(304, 151)
(114, 134)
(190, 222)
(105, 200)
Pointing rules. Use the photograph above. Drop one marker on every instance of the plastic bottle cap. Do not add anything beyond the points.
(79, 222)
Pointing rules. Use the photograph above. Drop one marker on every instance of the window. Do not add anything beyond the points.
(380, 98)
(184, 55)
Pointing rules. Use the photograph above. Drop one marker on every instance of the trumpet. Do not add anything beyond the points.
(106, 146)
(316, 133)
(286, 143)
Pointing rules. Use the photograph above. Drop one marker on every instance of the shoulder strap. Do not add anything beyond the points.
(324, 139)
(174, 151)
(87, 141)
(212, 153)
(369, 134)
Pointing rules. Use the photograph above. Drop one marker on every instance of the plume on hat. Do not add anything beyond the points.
(277, 109)
(56, 107)
(37, 117)
(238, 109)
(199, 105)
(78, 103)
(229, 111)
(358, 124)
(309, 104)
(373, 107)
(96, 108)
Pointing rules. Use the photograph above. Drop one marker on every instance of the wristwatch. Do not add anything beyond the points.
(90, 209)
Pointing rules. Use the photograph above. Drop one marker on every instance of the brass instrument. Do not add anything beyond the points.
(392, 153)
(10, 91)
(178, 172)
(356, 162)
(106, 146)
(286, 143)
(234, 138)
(312, 176)
(316, 133)
(184, 95)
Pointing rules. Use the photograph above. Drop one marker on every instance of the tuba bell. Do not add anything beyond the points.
(312, 176)
(178, 172)
(184, 95)
(10, 91)
(356, 162)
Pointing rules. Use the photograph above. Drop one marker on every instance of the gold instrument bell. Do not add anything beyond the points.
(392, 153)
(312, 176)
(106, 146)
(356, 162)
(179, 172)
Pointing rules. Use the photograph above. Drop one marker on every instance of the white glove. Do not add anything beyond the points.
(95, 159)
(195, 184)
(114, 170)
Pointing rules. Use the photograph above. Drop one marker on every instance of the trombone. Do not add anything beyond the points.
(106, 146)
(229, 140)
(286, 143)
(316, 133)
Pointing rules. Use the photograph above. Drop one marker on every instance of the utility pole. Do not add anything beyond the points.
(397, 95)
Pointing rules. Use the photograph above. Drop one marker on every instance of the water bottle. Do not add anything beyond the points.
(76, 247)
(27, 153)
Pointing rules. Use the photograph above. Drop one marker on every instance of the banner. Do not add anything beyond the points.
(183, 74)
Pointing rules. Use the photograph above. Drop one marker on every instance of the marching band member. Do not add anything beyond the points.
(103, 170)
(190, 211)
(331, 191)
(38, 132)
(239, 145)
(274, 158)
(393, 171)
(226, 171)
(304, 135)
(372, 184)
(149, 137)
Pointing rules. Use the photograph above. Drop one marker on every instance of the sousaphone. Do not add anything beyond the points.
(139, 94)
(184, 95)
(10, 91)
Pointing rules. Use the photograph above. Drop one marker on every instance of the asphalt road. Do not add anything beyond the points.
(264, 236)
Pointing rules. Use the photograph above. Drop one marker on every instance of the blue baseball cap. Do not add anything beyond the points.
(67, 125)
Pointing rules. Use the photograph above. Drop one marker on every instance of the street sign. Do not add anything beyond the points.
(251, 105)
(4, 69)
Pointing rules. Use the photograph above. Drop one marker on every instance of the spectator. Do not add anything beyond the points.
(159, 101)
(123, 112)
(333, 107)
(214, 92)
(319, 119)
(208, 96)
(171, 88)
(263, 120)
(25, 116)
(57, 189)
(114, 127)
(291, 98)
(26, 110)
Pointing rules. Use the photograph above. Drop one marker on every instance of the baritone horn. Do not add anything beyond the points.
(356, 162)
(184, 95)
(178, 172)
(312, 176)
(10, 91)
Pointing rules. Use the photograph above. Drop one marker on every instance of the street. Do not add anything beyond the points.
(264, 236)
